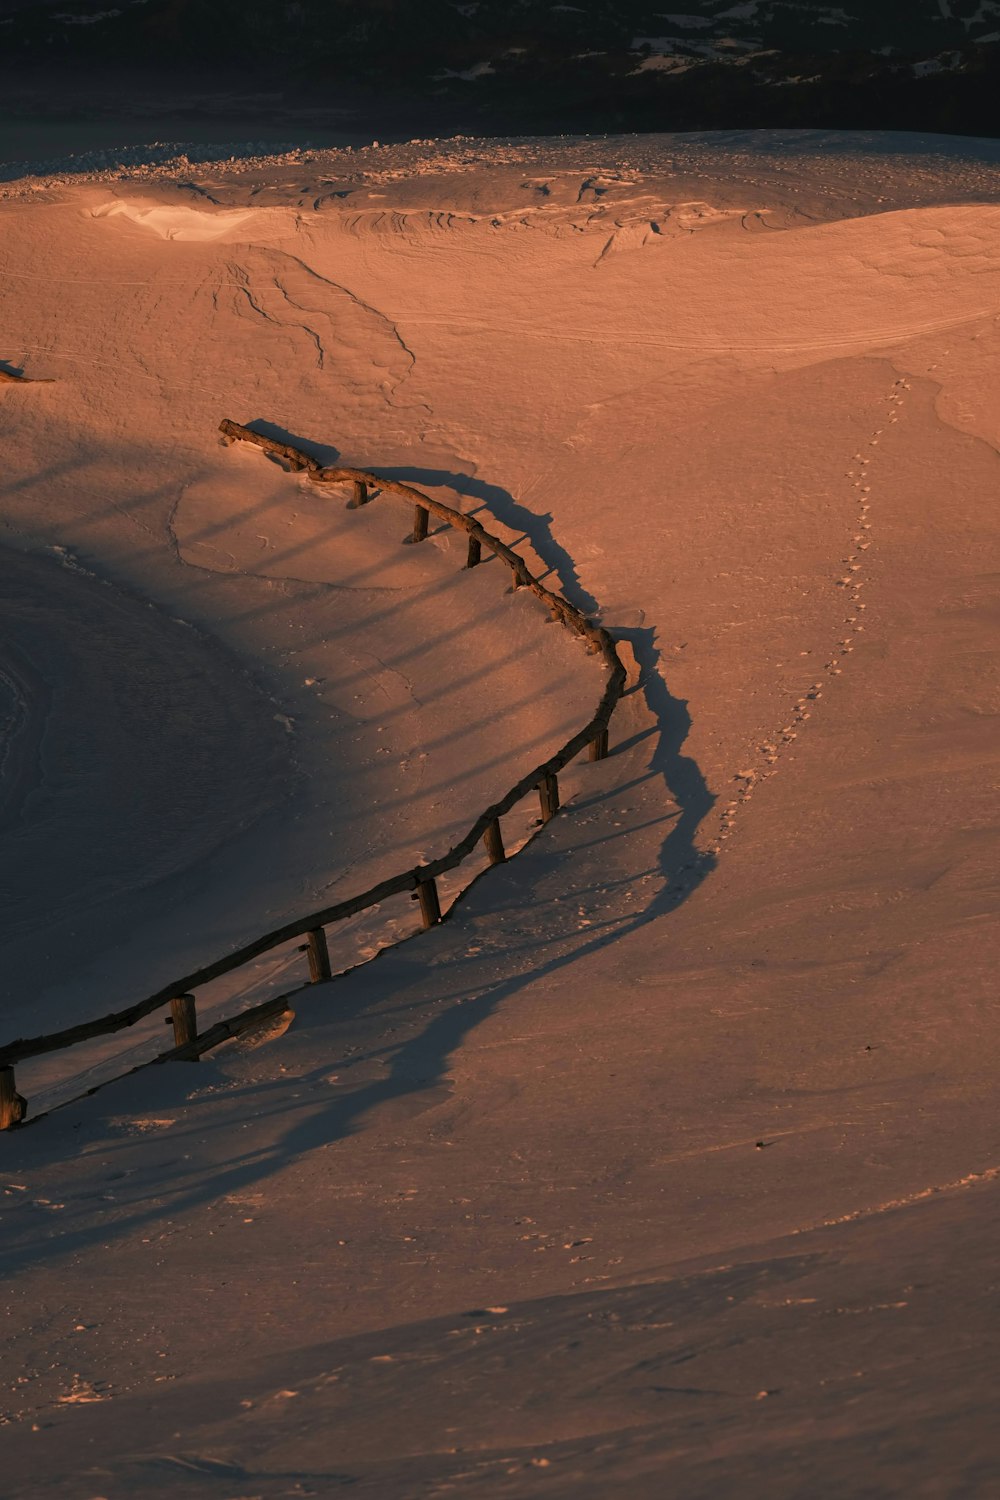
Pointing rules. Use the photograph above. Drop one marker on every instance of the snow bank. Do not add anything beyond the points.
(181, 222)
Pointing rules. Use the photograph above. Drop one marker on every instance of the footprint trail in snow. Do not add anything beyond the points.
(770, 751)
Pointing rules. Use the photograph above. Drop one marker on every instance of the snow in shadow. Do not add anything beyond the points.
(534, 907)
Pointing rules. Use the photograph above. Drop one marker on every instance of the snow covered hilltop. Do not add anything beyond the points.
(624, 1180)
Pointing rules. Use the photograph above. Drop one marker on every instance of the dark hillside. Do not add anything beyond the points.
(522, 64)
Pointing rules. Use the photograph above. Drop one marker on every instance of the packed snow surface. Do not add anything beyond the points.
(669, 1165)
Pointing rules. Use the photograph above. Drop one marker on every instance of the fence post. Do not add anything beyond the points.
(319, 956)
(493, 839)
(548, 795)
(12, 1107)
(185, 1020)
(183, 1016)
(599, 745)
(430, 906)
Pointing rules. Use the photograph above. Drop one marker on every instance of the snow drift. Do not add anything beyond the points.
(705, 1078)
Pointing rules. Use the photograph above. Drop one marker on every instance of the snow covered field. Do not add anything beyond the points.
(670, 1164)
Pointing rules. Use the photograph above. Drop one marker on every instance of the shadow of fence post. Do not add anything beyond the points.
(422, 882)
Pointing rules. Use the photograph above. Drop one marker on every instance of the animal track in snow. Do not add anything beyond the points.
(851, 581)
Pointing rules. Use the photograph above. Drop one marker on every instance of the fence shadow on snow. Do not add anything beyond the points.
(179, 996)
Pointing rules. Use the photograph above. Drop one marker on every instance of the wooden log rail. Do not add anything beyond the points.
(13, 377)
(421, 881)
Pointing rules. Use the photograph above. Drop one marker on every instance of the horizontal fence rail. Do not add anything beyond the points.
(14, 377)
(422, 880)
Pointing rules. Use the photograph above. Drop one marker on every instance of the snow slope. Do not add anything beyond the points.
(648, 1172)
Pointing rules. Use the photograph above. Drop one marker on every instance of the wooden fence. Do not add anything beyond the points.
(13, 377)
(179, 996)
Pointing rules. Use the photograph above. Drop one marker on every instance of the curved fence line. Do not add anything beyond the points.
(422, 880)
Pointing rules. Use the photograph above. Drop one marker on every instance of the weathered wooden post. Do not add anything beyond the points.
(493, 839)
(12, 1107)
(421, 519)
(548, 795)
(475, 552)
(319, 956)
(520, 572)
(185, 1022)
(430, 906)
(599, 745)
(360, 496)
